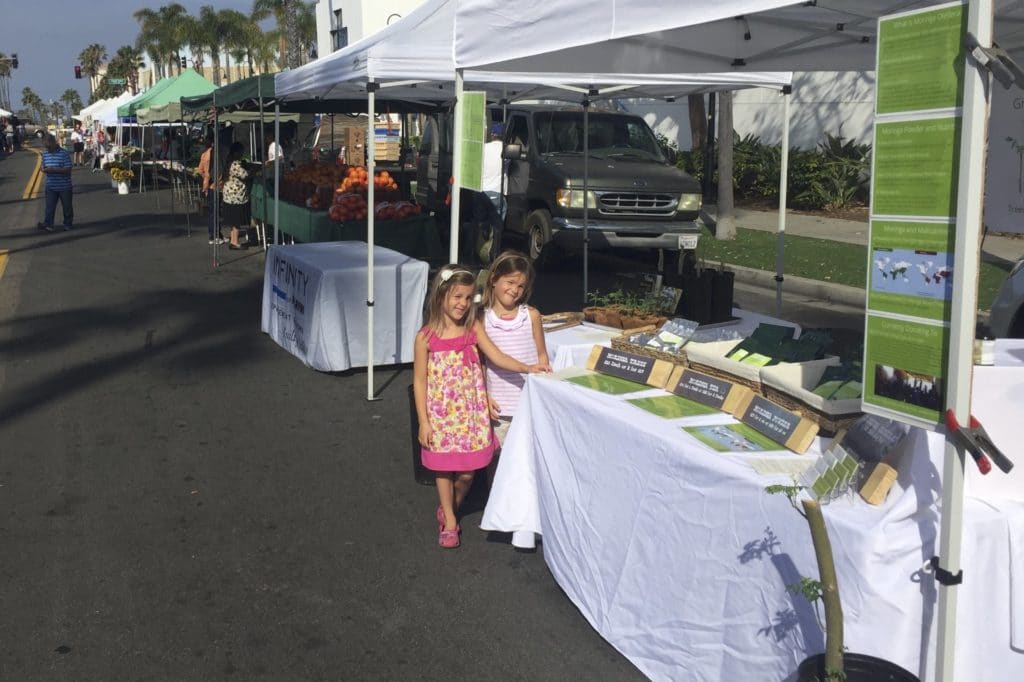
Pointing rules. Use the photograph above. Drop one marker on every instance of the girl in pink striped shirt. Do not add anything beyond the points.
(515, 328)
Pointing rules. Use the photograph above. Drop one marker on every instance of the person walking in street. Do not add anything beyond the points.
(235, 193)
(57, 166)
(209, 191)
(78, 145)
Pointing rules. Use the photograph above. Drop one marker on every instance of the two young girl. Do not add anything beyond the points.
(448, 380)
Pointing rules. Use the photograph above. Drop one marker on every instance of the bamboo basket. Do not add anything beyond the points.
(790, 385)
(623, 343)
(709, 358)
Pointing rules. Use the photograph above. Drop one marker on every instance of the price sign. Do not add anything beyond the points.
(778, 423)
(708, 390)
(630, 366)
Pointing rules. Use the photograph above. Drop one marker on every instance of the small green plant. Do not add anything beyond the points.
(627, 301)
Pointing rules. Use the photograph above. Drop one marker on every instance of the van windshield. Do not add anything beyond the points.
(610, 136)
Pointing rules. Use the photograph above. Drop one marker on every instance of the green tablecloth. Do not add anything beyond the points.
(416, 236)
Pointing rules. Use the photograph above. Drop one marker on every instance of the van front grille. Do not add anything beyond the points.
(635, 203)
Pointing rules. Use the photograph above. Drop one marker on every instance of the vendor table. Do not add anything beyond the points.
(571, 347)
(314, 303)
(415, 236)
(677, 556)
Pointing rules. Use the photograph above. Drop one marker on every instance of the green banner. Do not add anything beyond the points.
(911, 269)
(474, 125)
(916, 166)
(905, 366)
(911, 48)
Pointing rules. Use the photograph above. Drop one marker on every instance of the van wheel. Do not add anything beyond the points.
(1016, 330)
(538, 237)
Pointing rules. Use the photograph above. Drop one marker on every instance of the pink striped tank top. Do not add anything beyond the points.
(514, 337)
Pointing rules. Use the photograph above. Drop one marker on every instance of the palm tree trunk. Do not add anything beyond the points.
(725, 226)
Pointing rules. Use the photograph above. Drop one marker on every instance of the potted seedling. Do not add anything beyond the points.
(624, 310)
(835, 665)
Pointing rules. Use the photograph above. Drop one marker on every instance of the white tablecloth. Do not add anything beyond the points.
(571, 347)
(678, 557)
(314, 303)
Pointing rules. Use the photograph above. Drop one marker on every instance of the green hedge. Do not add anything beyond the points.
(834, 175)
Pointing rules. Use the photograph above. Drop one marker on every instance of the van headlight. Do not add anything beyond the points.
(573, 198)
(689, 203)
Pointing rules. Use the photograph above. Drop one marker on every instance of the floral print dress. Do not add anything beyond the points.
(456, 400)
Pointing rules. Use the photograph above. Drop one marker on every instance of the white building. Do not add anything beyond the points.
(343, 22)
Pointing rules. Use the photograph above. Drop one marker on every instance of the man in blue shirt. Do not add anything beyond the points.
(57, 166)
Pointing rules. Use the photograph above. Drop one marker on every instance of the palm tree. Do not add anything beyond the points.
(126, 64)
(305, 29)
(72, 101)
(288, 17)
(233, 35)
(210, 32)
(161, 36)
(91, 58)
(34, 102)
(5, 82)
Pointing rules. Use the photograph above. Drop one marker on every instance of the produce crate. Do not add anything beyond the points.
(791, 386)
(387, 151)
(623, 343)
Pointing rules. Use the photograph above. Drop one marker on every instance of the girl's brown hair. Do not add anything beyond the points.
(449, 276)
(508, 263)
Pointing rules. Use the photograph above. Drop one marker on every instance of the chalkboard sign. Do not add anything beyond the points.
(630, 366)
(778, 423)
(708, 390)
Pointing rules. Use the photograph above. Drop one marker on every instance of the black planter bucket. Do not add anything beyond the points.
(420, 473)
(858, 668)
(721, 296)
(697, 296)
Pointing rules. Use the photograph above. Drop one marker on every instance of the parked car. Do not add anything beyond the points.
(34, 130)
(636, 196)
(1006, 319)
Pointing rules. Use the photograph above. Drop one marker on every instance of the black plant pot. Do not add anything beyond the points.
(721, 296)
(858, 668)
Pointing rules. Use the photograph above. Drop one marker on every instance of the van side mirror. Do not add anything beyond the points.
(672, 156)
(513, 152)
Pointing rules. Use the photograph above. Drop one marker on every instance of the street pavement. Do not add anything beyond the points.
(180, 499)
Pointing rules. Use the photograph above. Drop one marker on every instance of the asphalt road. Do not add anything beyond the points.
(180, 499)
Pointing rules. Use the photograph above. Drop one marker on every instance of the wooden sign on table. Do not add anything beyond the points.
(630, 366)
(777, 423)
(708, 390)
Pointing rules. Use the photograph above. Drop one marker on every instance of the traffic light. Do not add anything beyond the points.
(184, 63)
(78, 71)
(14, 61)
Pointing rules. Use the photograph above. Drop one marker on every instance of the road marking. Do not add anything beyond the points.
(3, 262)
(32, 188)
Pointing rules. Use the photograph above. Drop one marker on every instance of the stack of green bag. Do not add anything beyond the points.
(840, 382)
(771, 344)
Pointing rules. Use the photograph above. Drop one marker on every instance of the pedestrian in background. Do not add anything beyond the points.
(57, 166)
(78, 145)
(235, 193)
(209, 190)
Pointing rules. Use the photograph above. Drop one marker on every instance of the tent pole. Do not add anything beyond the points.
(453, 242)
(586, 190)
(967, 254)
(780, 244)
(277, 172)
(263, 147)
(215, 194)
(142, 154)
(371, 162)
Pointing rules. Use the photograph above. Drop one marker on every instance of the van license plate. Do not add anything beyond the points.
(688, 241)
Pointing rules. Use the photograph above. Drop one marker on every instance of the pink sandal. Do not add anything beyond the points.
(440, 518)
(449, 539)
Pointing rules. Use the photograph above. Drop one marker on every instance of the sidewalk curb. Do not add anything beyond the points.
(812, 288)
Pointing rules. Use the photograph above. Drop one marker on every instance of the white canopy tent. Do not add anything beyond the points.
(380, 65)
(824, 35)
(106, 115)
(4, 113)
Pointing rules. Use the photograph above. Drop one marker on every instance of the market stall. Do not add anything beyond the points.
(314, 297)
(414, 235)
(677, 556)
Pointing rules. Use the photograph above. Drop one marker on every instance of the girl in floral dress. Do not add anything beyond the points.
(451, 397)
